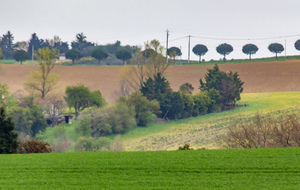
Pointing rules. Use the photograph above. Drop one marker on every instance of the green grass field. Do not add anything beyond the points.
(197, 169)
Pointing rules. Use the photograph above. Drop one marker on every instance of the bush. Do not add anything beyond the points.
(144, 109)
(33, 146)
(263, 131)
(90, 144)
(8, 137)
(185, 147)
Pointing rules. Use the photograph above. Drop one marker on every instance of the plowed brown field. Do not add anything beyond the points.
(278, 76)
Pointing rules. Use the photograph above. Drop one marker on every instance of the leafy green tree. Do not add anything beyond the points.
(34, 44)
(249, 49)
(276, 48)
(229, 85)
(224, 49)
(186, 88)
(144, 109)
(41, 80)
(99, 54)
(80, 97)
(8, 137)
(28, 117)
(123, 55)
(200, 50)
(7, 46)
(73, 54)
(21, 55)
(173, 52)
(297, 45)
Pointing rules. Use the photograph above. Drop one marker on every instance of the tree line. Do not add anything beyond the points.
(81, 47)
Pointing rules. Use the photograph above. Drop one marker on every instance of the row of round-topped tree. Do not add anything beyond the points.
(225, 49)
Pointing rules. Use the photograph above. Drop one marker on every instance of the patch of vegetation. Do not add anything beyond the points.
(209, 169)
(265, 59)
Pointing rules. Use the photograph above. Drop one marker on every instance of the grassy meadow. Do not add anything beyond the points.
(201, 132)
(196, 169)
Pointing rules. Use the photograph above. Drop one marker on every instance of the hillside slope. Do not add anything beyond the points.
(279, 76)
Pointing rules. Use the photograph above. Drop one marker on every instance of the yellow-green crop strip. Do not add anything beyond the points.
(196, 169)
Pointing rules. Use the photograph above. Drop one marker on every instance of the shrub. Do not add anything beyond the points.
(144, 109)
(263, 131)
(90, 144)
(33, 146)
(185, 147)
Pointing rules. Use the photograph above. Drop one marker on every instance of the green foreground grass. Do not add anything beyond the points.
(197, 169)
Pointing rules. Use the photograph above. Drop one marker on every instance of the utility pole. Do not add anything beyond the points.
(32, 53)
(285, 48)
(167, 46)
(189, 48)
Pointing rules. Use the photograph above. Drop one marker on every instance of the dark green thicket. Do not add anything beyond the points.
(8, 137)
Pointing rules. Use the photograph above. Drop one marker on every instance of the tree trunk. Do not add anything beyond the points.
(199, 58)
(250, 56)
(224, 59)
(276, 55)
(21, 62)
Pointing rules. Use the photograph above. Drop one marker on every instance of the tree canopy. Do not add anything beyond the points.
(276, 48)
(200, 50)
(297, 45)
(229, 85)
(42, 80)
(21, 55)
(80, 97)
(224, 49)
(99, 54)
(250, 49)
(173, 52)
(73, 54)
(124, 55)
